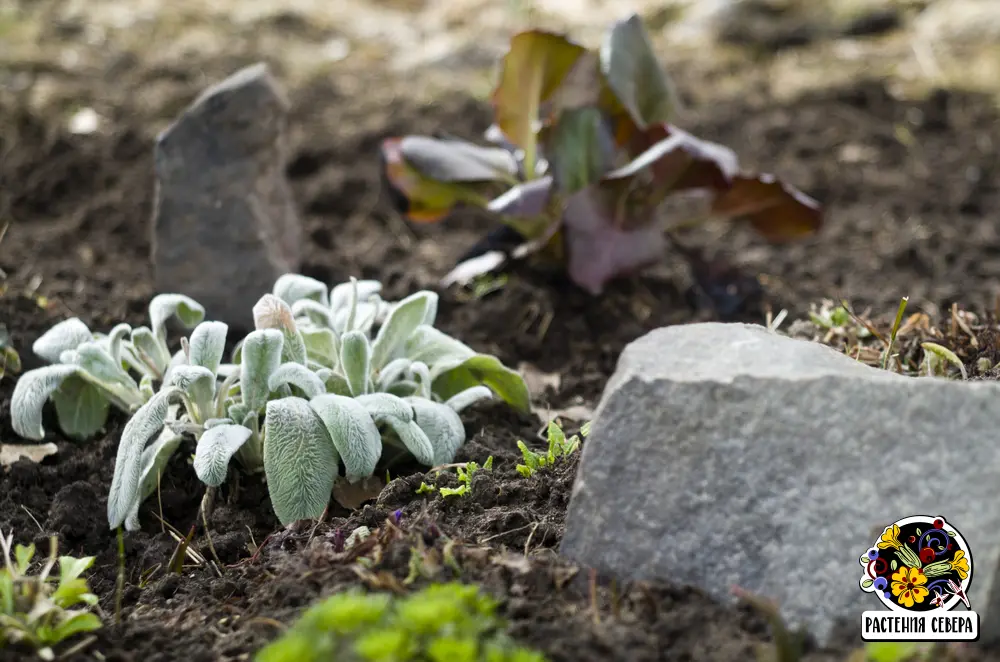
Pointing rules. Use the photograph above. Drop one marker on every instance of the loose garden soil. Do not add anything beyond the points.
(912, 189)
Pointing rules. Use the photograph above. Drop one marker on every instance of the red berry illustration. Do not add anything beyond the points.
(939, 523)
(926, 555)
(913, 539)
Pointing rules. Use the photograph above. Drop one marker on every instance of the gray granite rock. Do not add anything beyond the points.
(726, 455)
(225, 225)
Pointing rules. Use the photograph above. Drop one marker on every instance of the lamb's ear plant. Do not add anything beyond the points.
(585, 157)
(91, 372)
(310, 390)
(37, 610)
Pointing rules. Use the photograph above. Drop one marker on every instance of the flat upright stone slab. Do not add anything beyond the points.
(725, 454)
(225, 225)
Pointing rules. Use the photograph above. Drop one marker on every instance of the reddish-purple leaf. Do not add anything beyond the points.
(777, 211)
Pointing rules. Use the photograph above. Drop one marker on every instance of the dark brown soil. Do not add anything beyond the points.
(912, 189)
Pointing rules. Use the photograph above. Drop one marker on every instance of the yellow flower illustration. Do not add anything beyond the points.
(908, 586)
(960, 564)
(890, 538)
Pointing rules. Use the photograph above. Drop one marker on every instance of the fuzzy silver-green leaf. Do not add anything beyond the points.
(67, 334)
(216, 447)
(355, 360)
(292, 288)
(300, 460)
(299, 376)
(32, 391)
(147, 421)
(442, 425)
(81, 408)
(404, 319)
(352, 431)
(261, 357)
(207, 345)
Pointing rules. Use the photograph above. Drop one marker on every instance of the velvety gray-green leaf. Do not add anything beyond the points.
(199, 385)
(149, 349)
(322, 346)
(164, 306)
(261, 357)
(32, 391)
(432, 346)
(404, 319)
(154, 460)
(381, 406)
(299, 376)
(442, 425)
(393, 372)
(352, 431)
(216, 447)
(470, 396)
(81, 408)
(334, 382)
(99, 364)
(340, 296)
(115, 339)
(355, 360)
(292, 288)
(67, 334)
(207, 345)
(414, 439)
(315, 312)
(147, 421)
(300, 460)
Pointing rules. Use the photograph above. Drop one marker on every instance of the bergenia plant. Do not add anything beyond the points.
(585, 149)
(308, 391)
(90, 372)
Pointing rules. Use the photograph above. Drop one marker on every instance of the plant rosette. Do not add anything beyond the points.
(584, 160)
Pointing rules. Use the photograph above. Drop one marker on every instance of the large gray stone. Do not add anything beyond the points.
(225, 225)
(726, 455)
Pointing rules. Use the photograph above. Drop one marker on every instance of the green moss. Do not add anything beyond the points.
(451, 622)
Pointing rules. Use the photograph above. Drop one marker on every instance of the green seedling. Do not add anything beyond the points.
(894, 651)
(91, 372)
(10, 360)
(887, 354)
(465, 473)
(583, 160)
(313, 388)
(937, 358)
(37, 610)
(559, 447)
(450, 622)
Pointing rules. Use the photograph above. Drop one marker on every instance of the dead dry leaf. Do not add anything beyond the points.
(575, 413)
(537, 380)
(11, 453)
(353, 495)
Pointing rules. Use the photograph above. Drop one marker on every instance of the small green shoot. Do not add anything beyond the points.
(895, 329)
(465, 473)
(10, 360)
(426, 489)
(559, 446)
(894, 651)
(450, 622)
(937, 358)
(35, 610)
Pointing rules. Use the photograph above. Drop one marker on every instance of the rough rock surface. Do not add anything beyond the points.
(726, 455)
(225, 224)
